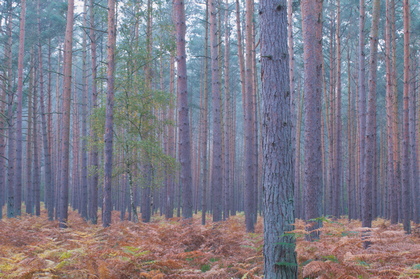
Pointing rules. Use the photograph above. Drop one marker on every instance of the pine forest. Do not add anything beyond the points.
(210, 139)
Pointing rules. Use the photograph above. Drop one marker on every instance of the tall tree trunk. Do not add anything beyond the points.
(337, 121)
(249, 119)
(216, 175)
(390, 100)
(204, 120)
(362, 93)
(351, 185)
(10, 115)
(36, 173)
(170, 186)
(109, 120)
(48, 188)
(370, 134)
(19, 118)
(183, 111)
(84, 104)
(413, 146)
(65, 131)
(94, 153)
(279, 247)
(227, 117)
(29, 137)
(312, 41)
(406, 136)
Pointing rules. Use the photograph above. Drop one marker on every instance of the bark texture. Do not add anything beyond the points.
(312, 55)
(278, 168)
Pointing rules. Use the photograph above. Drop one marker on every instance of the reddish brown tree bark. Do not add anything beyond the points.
(406, 134)
(109, 117)
(312, 41)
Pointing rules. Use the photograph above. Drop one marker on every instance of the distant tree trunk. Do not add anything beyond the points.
(170, 186)
(362, 93)
(216, 174)
(132, 207)
(183, 111)
(249, 119)
(390, 100)
(204, 120)
(10, 115)
(84, 104)
(413, 146)
(36, 173)
(296, 109)
(94, 153)
(337, 121)
(58, 136)
(406, 122)
(109, 118)
(147, 173)
(370, 134)
(242, 76)
(312, 40)
(299, 206)
(3, 127)
(279, 248)
(29, 140)
(50, 177)
(75, 151)
(65, 131)
(48, 188)
(19, 118)
(227, 117)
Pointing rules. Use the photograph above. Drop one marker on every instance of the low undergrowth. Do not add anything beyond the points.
(32, 247)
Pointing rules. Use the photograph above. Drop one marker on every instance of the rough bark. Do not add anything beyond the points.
(312, 41)
(279, 255)
(370, 134)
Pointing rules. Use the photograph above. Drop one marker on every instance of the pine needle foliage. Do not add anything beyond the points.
(33, 247)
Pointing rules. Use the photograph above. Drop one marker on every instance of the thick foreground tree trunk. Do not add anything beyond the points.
(278, 177)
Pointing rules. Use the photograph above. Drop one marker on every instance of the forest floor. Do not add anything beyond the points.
(33, 247)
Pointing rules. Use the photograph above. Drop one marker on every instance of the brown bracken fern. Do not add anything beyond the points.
(32, 247)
